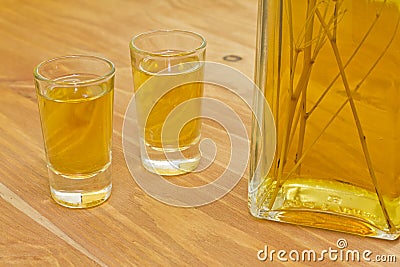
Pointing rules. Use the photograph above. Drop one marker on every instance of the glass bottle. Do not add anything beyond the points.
(330, 72)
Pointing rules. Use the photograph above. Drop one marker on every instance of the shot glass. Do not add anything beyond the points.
(168, 75)
(75, 97)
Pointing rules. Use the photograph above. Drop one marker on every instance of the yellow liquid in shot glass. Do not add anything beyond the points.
(77, 127)
(189, 70)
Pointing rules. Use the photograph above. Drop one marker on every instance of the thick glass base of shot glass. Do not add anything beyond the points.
(81, 191)
(170, 161)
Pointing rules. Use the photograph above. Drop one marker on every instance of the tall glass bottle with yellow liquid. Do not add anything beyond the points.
(329, 71)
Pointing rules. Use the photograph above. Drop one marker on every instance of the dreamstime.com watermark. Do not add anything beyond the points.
(340, 253)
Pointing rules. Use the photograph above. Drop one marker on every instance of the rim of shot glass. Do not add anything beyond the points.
(161, 54)
(42, 77)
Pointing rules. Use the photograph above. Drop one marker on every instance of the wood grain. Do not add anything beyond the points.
(132, 228)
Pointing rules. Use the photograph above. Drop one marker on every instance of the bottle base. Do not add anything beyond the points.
(330, 205)
(328, 222)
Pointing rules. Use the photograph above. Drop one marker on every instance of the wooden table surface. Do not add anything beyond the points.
(131, 228)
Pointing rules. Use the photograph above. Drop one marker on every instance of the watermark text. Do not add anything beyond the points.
(339, 253)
